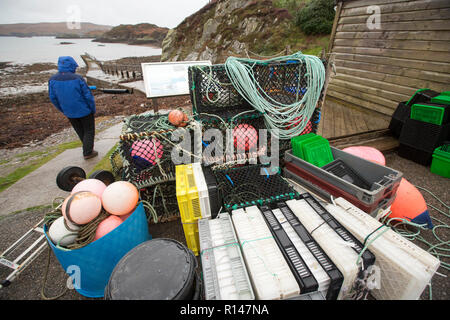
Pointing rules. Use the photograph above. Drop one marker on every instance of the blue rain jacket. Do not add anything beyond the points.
(69, 92)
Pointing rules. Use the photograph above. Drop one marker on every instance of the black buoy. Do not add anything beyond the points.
(158, 269)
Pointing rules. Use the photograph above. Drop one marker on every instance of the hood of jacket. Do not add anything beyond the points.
(67, 64)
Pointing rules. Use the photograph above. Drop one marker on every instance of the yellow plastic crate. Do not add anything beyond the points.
(189, 205)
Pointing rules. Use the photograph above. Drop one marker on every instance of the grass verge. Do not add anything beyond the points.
(16, 175)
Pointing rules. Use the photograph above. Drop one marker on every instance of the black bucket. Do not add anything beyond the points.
(159, 269)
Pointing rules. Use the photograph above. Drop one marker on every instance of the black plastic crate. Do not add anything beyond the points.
(417, 155)
(422, 95)
(423, 135)
(252, 185)
(215, 201)
(339, 168)
(399, 117)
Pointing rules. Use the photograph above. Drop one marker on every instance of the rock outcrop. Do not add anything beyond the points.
(143, 33)
(226, 27)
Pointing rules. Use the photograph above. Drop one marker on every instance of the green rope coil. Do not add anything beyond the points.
(277, 115)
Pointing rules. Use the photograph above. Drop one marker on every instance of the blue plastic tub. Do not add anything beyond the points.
(96, 261)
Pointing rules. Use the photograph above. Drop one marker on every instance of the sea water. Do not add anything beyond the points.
(47, 49)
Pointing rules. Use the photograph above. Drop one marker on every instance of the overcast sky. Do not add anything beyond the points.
(164, 13)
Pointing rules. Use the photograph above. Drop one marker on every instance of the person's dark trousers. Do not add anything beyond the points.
(85, 129)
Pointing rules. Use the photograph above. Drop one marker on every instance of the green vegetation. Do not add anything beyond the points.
(291, 5)
(316, 17)
(104, 163)
(10, 179)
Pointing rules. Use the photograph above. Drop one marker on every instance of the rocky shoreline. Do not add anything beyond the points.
(30, 123)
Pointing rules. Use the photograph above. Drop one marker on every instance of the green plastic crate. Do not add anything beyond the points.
(318, 152)
(443, 98)
(429, 113)
(298, 142)
(441, 161)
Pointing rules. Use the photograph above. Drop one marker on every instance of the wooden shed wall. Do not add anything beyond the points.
(376, 69)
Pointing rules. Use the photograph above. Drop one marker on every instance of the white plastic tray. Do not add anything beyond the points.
(338, 250)
(319, 274)
(405, 268)
(270, 274)
(224, 272)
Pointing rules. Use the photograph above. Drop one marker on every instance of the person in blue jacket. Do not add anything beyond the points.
(71, 95)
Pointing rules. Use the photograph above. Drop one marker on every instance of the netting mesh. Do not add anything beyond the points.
(162, 197)
(252, 185)
(284, 82)
(212, 94)
(211, 90)
(242, 133)
(147, 156)
(146, 122)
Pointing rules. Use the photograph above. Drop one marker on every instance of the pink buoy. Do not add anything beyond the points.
(93, 185)
(367, 153)
(148, 150)
(245, 137)
(106, 226)
(81, 207)
(120, 198)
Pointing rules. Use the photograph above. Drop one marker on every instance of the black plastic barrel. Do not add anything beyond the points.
(159, 269)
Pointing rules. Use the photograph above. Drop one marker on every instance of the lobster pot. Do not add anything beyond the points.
(252, 185)
(162, 197)
(159, 269)
(281, 82)
(243, 137)
(211, 91)
(146, 122)
(149, 158)
(91, 265)
(247, 138)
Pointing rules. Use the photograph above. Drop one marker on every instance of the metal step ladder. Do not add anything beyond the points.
(19, 263)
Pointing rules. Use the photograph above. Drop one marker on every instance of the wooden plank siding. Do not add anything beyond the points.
(376, 69)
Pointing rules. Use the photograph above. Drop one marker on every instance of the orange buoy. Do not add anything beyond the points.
(81, 207)
(120, 198)
(107, 225)
(178, 118)
(409, 204)
(185, 121)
